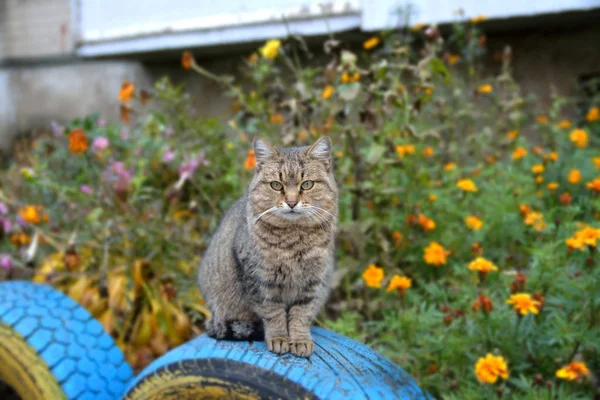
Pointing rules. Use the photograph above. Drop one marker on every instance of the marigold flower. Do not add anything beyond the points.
(579, 137)
(187, 60)
(453, 59)
(373, 276)
(553, 156)
(565, 199)
(484, 303)
(575, 370)
(575, 243)
(537, 169)
(588, 236)
(347, 78)
(594, 185)
(432, 198)
(466, 185)
(427, 152)
(524, 304)
(250, 162)
(564, 124)
(399, 283)
(539, 180)
(524, 209)
(596, 161)
(276, 119)
(480, 264)
(535, 219)
(552, 186)
(397, 236)
(490, 367)
(473, 222)
(271, 49)
(327, 92)
(518, 283)
(476, 249)
(78, 142)
(20, 239)
(405, 149)
(435, 254)
(593, 114)
(449, 166)
(479, 18)
(512, 135)
(127, 91)
(519, 153)
(33, 214)
(542, 119)
(370, 43)
(426, 223)
(574, 176)
(485, 88)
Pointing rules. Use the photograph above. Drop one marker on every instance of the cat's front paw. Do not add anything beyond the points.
(302, 348)
(278, 344)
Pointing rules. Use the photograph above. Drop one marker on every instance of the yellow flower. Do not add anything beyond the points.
(427, 152)
(432, 198)
(270, 49)
(426, 223)
(574, 176)
(594, 185)
(537, 169)
(564, 124)
(553, 155)
(552, 186)
(596, 161)
(453, 59)
(435, 254)
(33, 214)
(403, 150)
(370, 43)
(519, 153)
(482, 265)
(512, 135)
(479, 18)
(579, 137)
(373, 276)
(575, 243)
(450, 166)
(418, 27)
(490, 367)
(399, 283)
(573, 371)
(542, 119)
(587, 236)
(466, 185)
(327, 92)
(346, 78)
(535, 219)
(593, 114)
(473, 222)
(524, 304)
(486, 88)
(539, 180)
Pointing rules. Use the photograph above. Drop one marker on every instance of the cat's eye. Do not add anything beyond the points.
(307, 185)
(276, 185)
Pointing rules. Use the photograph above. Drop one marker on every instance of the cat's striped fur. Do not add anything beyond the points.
(269, 264)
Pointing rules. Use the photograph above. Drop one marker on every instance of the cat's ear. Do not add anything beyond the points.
(320, 150)
(263, 151)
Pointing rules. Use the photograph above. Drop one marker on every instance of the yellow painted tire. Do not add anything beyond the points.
(52, 348)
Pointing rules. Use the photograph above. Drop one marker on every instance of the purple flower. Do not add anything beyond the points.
(190, 164)
(3, 209)
(119, 176)
(101, 122)
(6, 262)
(100, 144)
(5, 225)
(86, 189)
(168, 156)
(21, 222)
(57, 130)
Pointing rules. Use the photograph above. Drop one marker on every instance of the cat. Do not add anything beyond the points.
(266, 272)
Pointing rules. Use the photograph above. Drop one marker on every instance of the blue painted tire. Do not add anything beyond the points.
(76, 359)
(340, 368)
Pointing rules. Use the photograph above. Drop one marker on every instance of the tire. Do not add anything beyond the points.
(340, 368)
(52, 348)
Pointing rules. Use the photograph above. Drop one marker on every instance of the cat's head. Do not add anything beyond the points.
(294, 184)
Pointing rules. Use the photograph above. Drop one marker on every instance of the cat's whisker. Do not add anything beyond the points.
(325, 211)
(263, 213)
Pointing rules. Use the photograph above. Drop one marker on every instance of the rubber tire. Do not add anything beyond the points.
(340, 368)
(65, 352)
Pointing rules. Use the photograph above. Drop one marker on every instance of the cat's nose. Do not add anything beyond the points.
(291, 203)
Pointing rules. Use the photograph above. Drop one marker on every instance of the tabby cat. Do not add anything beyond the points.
(267, 269)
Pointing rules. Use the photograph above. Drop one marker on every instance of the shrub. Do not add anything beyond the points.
(468, 212)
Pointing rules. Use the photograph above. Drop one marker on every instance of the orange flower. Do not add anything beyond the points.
(250, 162)
(476, 249)
(450, 166)
(397, 236)
(127, 91)
(78, 142)
(473, 222)
(373, 276)
(553, 156)
(524, 304)
(519, 153)
(565, 199)
(466, 185)
(33, 214)
(486, 88)
(426, 223)
(579, 138)
(418, 26)
(427, 152)
(564, 124)
(594, 185)
(252, 58)
(405, 149)
(593, 114)
(453, 59)
(537, 169)
(482, 265)
(512, 135)
(20, 239)
(484, 303)
(596, 161)
(542, 119)
(479, 18)
(435, 254)
(327, 92)
(276, 119)
(574, 176)
(370, 43)
(125, 113)
(552, 186)
(573, 371)
(432, 198)
(187, 60)
(519, 282)
(535, 219)
(399, 283)
(490, 367)
(524, 209)
(587, 236)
